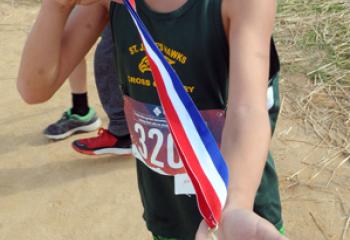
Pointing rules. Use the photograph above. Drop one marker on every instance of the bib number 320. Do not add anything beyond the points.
(157, 149)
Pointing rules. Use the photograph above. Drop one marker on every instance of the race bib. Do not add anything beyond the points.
(152, 141)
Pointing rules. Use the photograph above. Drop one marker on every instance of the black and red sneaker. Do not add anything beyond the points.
(104, 143)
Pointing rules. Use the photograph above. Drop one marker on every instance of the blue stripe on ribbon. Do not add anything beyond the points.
(203, 131)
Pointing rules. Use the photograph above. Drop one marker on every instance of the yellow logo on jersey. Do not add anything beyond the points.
(144, 65)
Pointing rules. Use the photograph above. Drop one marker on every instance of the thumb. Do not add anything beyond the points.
(202, 232)
(283, 238)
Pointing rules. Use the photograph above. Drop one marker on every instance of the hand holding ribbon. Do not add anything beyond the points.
(240, 224)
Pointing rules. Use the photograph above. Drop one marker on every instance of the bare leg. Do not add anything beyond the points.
(78, 78)
(78, 85)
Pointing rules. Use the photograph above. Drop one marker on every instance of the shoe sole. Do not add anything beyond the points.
(88, 128)
(115, 151)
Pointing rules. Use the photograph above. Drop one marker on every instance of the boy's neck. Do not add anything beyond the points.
(165, 6)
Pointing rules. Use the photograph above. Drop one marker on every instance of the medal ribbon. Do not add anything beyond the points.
(197, 147)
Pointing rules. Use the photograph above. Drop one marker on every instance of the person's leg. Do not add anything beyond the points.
(78, 78)
(108, 85)
(115, 140)
(78, 86)
(81, 117)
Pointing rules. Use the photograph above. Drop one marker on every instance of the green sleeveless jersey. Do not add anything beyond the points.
(193, 41)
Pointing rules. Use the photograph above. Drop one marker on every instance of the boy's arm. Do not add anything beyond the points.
(246, 133)
(60, 38)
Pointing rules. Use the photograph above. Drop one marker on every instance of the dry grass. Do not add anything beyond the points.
(313, 38)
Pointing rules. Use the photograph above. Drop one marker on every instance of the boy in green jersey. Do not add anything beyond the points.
(223, 53)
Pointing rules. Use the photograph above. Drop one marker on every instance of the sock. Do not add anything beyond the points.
(80, 104)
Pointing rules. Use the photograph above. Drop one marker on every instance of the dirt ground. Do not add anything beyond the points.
(47, 191)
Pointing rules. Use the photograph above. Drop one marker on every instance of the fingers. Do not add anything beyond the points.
(266, 231)
(202, 232)
(283, 238)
